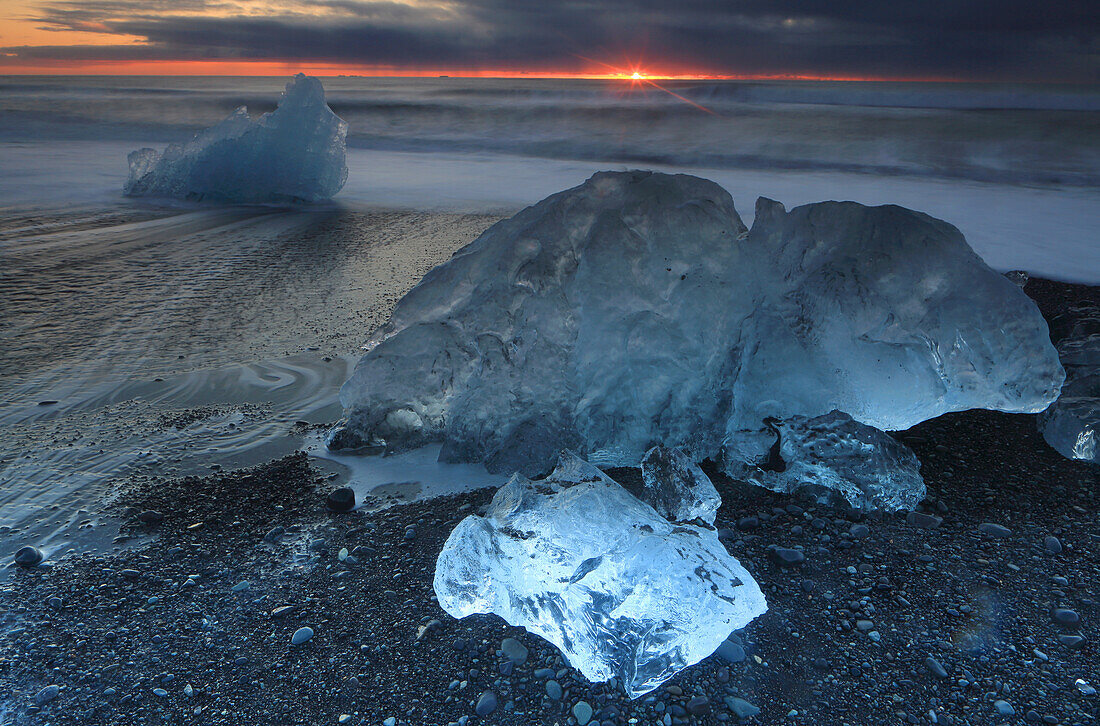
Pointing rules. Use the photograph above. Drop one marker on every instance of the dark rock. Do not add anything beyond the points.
(341, 500)
(486, 704)
(935, 667)
(922, 520)
(741, 708)
(1052, 544)
(698, 705)
(731, 652)
(786, 557)
(994, 530)
(29, 556)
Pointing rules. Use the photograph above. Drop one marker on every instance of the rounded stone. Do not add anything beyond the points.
(486, 704)
(554, 690)
(341, 500)
(301, 635)
(514, 650)
(582, 712)
(787, 557)
(47, 694)
(29, 556)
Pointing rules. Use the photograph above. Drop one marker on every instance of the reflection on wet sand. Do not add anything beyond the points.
(170, 341)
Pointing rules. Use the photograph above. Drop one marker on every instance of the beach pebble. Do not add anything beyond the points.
(731, 652)
(1052, 544)
(486, 704)
(29, 556)
(935, 667)
(514, 650)
(150, 516)
(786, 557)
(922, 520)
(301, 635)
(1004, 708)
(554, 690)
(341, 500)
(741, 708)
(274, 535)
(582, 712)
(46, 695)
(994, 530)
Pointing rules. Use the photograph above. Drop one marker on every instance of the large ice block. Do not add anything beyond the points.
(295, 153)
(636, 310)
(579, 561)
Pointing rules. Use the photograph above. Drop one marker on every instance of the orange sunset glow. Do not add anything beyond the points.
(417, 38)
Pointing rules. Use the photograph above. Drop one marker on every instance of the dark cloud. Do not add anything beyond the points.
(1008, 39)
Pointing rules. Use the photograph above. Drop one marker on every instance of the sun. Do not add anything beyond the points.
(637, 76)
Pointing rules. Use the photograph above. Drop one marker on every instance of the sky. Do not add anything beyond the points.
(994, 40)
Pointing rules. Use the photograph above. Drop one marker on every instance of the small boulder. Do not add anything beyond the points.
(29, 556)
(341, 500)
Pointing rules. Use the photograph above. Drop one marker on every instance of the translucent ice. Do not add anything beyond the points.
(677, 488)
(1072, 423)
(579, 561)
(295, 153)
(636, 310)
(830, 456)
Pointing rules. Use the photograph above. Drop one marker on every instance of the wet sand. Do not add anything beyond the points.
(175, 339)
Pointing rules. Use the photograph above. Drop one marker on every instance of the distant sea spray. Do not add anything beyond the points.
(997, 133)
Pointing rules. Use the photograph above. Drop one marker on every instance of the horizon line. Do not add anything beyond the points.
(263, 69)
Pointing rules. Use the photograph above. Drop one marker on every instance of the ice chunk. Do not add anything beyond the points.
(636, 310)
(830, 456)
(677, 488)
(1072, 424)
(295, 153)
(579, 561)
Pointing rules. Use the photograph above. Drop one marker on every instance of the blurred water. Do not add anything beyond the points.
(1016, 134)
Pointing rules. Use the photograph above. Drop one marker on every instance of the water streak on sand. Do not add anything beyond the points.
(165, 342)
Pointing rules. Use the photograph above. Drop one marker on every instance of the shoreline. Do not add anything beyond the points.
(846, 640)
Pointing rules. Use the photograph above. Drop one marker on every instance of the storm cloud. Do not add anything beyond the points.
(964, 39)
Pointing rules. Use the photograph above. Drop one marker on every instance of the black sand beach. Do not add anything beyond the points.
(981, 608)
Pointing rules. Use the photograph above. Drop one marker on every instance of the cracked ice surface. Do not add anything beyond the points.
(831, 456)
(295, 153)
(636, 309)
(579, 561)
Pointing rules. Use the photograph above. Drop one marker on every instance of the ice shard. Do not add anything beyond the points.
(1072, 423)
(296, 153)
(832, 457)
(579, 561)
(677, 488)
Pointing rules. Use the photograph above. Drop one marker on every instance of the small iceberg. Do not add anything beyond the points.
(579, 561)
(296, 153)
